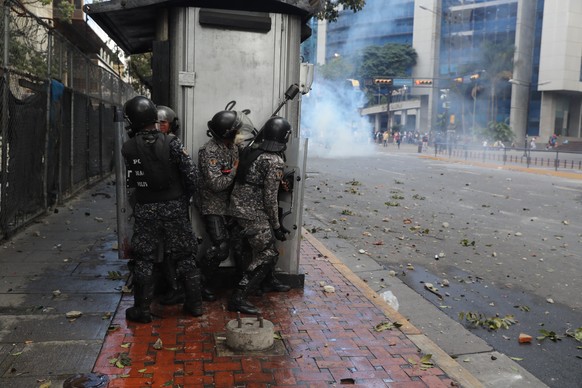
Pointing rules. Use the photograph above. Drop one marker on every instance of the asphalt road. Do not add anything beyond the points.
(493, 242)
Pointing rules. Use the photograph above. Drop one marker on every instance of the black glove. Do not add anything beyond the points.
(280, 234)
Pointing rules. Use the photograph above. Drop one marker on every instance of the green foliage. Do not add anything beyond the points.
(330, 12)
(63, 10)
(491, 323)
(139, 70)
(577, 334)
(551, 335)
(392, 59)
(337, 69)
(496, 131)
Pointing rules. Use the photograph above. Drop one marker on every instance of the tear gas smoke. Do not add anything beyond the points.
(331, 120)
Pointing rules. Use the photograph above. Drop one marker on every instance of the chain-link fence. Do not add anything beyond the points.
(56, 112)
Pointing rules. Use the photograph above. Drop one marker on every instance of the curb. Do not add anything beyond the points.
(451, 367)
(531, 170)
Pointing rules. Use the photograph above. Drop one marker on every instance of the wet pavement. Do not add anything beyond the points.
(62, 313)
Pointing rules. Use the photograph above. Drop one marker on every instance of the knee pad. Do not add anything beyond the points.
(218, 253)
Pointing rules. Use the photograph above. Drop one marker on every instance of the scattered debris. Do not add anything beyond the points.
(158, 345)
(551, 335)
(524, 338)
(387, 326)
(491, 323)
(433, 289)
(73, 314)
(121, 361)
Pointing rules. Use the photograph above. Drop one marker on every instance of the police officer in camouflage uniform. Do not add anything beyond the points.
(164, 178)
(218, 161)
(169, 124)
(254, 204)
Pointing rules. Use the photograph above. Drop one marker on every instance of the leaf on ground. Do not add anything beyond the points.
(158, 345)
(386, 326)
(577, 335)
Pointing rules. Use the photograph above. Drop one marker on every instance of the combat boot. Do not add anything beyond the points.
(173, 296)
(250, 282)
(193, 295)
(272, 284)
(140, 312)
(207, 290)
(239, 303)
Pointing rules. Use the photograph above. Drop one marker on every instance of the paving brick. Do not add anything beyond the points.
(327, 337)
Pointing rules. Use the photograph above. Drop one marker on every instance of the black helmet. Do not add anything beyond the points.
(275, 134)
(224, 125)
(140, 112)
(167, 114)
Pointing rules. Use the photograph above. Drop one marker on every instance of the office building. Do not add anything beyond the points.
(460, 48)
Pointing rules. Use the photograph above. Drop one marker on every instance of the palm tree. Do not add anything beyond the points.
(497, 61)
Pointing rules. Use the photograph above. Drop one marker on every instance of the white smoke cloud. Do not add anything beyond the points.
(331, 120)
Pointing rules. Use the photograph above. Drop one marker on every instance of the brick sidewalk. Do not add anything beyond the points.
(326, 339)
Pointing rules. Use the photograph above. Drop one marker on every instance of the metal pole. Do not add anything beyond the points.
(5, 90)
(120, 186)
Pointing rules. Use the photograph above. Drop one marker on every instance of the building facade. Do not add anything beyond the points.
(514, 61)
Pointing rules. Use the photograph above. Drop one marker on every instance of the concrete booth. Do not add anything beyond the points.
(209, 53)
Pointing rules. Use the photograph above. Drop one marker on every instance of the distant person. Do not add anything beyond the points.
(425, 142)
(397, 138)
(385, 137)
(532, 144)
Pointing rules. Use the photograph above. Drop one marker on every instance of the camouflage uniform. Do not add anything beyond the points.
(255, 206)
(217, 172)
(217, 169)
(164, 178)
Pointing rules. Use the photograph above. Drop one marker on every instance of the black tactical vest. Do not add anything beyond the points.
(149, 169)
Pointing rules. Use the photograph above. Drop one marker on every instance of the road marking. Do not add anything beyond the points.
(391, 172)
(493, 194)
(567, 188)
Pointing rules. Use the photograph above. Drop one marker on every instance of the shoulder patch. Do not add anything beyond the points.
(213, 162)
(279, 174)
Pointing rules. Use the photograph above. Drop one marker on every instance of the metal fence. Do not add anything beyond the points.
(56, 110)
(554, 158)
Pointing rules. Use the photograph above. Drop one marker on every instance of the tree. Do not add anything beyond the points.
(390, 60)
(330, 8)
(497, 61)
(139, 70)
(337, 69)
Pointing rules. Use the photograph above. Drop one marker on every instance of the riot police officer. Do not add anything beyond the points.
(169, 124)
(218, 161)
(163, 176)
(254, 204)
(168, 121)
